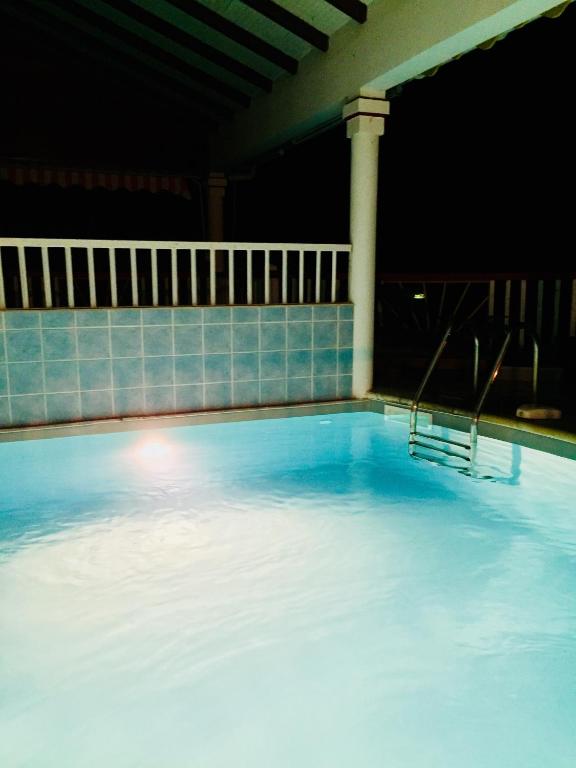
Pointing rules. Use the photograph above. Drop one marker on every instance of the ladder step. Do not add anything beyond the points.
(440, 450)
(440, 439)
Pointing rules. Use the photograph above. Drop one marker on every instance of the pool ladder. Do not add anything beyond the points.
(444, 445)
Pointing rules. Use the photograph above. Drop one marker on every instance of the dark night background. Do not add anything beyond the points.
(477, 163)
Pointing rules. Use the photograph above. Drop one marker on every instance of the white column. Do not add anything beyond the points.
(365, 125)
(216, 186)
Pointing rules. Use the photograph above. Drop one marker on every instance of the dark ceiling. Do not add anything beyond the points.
(146, 83)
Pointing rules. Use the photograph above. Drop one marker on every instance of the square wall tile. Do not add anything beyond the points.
(189, 398)
(28, 410)
(246, 393)
(61, 376)
(89, 318)
(299, 313)
(217, 338)
(2, 346)
(158, 371)
(345, 386)
(325, 362)
(217, 368)
(128, 372)
(346, 312)
(187, 315)
(129, 402)
(4, 412)
(125, 317)
(95, 374)
(299, 335)
(93, 343)
(325, 312)
(126, 342)
(59, 344)
(58, 318)
(217, 395)
(245, 366)
(345, 333)
(159, 399)
(245, 315)
(23, 345)
(299, 363)
(25, 378)
(272, 336)
(3, 380)
(273, 365)
(325, 334)
(272, 314)
(299, 390)
(189, 369)
(245, 337)
(345, 361)
(272, 391)
(97, 405)
(325, 387)
(25, 318)
(157, 316)
(217, 315)
(158, 340)
(62, 408)
(188, 339)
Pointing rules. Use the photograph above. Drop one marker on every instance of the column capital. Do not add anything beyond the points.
(365, 114)
(217, 180)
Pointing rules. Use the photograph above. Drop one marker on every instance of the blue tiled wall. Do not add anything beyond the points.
(68, 365)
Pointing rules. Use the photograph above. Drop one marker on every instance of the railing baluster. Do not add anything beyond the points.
(231, 276)
(539, 307)
(301, 277)
(522, 334)
(23, 276)
(507, 290)
(113, 281)
(174, 270)
(333, 278)
(249, 276)
(491, 298)
(154, 267)
(212, 276)
(556, 321)
(194, 277)
(284, 277)
(91, 278)
(318, 270)
(46, 278)
(69, 276)
(572, 307)
(2, 291)
(266, 276)
(134, 276)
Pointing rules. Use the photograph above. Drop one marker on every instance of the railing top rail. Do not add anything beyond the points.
(36, 242)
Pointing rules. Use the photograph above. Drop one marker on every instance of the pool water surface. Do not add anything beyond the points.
(292, 593)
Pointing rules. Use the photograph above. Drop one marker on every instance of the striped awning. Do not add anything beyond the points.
(95, 179)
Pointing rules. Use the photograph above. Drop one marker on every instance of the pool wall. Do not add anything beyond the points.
(71, 365)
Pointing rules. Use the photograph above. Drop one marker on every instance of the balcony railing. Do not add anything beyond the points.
(46, 273)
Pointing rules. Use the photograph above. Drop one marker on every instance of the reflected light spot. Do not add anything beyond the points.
(154, 452)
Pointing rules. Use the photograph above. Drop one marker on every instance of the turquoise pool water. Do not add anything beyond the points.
(284, 594)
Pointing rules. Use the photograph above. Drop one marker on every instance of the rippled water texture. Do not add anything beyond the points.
(284, 594)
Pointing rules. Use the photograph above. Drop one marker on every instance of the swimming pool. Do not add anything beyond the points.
(295, 592)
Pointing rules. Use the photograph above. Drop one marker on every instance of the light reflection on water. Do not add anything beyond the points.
(287, 593)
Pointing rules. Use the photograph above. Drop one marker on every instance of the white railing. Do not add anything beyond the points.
(45, 273)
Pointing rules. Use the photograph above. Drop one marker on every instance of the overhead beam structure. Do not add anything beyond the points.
(400, 41)
(290, 22)
(353, 8)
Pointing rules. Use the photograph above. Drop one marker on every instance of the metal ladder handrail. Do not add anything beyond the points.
(418, 396)
(473, 443)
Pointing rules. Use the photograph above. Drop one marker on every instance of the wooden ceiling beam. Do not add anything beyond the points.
(290, 22)
(190, 42)
(238, 34)
(353, 8)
